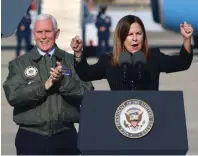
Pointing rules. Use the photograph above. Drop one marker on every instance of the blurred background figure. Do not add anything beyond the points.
(24, 33)
(103, 24)
(86, 17)
(38, 5)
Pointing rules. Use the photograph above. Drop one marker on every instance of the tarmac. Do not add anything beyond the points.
(168, 42)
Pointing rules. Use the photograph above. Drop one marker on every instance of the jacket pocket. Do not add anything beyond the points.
(69, 113)
(29, 118)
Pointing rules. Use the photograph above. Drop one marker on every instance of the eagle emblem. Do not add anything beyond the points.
(133, 117)
(31, 71)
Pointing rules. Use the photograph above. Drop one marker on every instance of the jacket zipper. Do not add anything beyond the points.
(49, 108)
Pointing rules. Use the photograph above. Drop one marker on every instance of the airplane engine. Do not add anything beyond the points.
(170, 13)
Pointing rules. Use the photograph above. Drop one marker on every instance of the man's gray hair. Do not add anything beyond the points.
(41, 17)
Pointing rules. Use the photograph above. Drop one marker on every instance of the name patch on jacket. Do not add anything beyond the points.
(66, 71)
(31, 71)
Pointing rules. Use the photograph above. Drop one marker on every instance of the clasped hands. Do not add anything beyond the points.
(55, 75)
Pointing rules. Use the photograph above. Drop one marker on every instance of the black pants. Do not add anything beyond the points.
(64, 143)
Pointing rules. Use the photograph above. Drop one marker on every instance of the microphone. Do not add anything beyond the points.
(139, 58)
(125, 57)
(139, 61)
(125, 60)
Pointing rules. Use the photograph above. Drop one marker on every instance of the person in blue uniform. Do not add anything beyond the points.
(24, 33)
(103, 24)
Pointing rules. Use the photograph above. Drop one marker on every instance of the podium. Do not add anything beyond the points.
(133, 123)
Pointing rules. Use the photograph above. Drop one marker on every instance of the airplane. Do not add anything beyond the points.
(11, 14)
(171, 13)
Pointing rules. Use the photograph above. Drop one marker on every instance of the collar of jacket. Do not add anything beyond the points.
(58, 53)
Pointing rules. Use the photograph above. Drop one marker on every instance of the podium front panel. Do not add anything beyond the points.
(98, 133)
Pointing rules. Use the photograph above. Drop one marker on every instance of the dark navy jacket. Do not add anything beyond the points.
(26, 21)
(103, 20)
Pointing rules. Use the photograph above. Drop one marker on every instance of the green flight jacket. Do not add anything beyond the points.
(36, 109)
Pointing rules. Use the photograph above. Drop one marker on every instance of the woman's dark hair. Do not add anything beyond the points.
(120, 34)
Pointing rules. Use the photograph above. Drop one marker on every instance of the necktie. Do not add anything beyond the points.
(48, 63)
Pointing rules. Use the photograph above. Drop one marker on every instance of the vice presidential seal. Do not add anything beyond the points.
(31, 71)
(134, 118)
